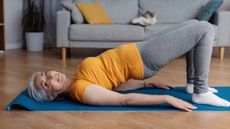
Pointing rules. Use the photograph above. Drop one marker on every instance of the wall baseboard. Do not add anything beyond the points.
(14, 45)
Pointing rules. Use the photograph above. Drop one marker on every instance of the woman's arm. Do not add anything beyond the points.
(97, 95)
(132, 84)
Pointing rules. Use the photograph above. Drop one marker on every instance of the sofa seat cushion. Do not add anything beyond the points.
(154, 29)
(114, 32)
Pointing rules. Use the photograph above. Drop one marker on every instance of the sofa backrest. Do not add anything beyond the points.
(172, 11)
(120, 11)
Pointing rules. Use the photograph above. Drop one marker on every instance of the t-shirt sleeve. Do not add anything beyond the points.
(79, 87)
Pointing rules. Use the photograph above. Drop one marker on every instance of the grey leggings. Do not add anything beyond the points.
(193, 38)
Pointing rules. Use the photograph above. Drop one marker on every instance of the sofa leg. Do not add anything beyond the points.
(64, 51)
(221, 51)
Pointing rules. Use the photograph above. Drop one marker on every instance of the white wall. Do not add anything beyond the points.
(13, 15)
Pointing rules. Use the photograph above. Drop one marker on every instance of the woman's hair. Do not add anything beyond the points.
(37, 94)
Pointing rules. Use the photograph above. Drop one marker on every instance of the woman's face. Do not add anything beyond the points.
(51, 81)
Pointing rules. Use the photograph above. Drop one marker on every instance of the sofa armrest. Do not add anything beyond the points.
(222, 20)
(63, 23)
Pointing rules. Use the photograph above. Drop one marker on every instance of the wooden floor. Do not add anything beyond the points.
(16, 67)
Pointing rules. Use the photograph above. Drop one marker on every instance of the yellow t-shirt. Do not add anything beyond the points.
(108, 69)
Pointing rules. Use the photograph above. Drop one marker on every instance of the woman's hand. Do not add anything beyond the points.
(180, 104)
(158, 85)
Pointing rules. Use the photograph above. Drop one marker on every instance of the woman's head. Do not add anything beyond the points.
(46, 86)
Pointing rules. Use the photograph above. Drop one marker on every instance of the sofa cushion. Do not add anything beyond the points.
(94, 13)
(114, 32)
(172, 11)
(76, 16)
(120, 11)
(209, 9)
(154, 29)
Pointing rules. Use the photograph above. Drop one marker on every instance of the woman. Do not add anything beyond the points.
(123, 68)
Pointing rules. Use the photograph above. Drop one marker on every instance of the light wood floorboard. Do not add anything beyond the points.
(16, 67)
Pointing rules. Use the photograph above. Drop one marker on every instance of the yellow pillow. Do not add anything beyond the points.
(94, 13)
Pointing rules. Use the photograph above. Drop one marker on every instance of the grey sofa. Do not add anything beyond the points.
(169, 13)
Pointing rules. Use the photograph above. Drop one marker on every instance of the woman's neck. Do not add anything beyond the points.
(66, 92)
(68, 87)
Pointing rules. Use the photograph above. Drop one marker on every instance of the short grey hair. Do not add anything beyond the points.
(33, 92)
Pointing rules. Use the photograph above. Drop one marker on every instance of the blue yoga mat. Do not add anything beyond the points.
(23, 100)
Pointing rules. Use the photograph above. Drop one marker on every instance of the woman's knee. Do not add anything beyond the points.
(205, 27)
(206, 32)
